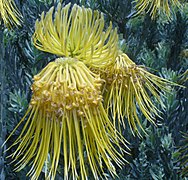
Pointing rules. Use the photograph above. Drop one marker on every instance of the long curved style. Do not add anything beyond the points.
(10, 14)
(77, 32)
(66, 115)
(129, 88)
(155, 7)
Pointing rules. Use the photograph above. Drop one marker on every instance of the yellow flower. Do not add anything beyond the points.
(10, 13)
(66, 115)
(77, 32)
(129, 86)
(155, 7)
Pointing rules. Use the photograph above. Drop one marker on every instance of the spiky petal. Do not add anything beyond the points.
(155, 7)
(129, 86)
(66, 114)
(77, 32)
(10, 13)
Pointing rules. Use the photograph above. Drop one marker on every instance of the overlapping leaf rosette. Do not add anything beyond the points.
(78, 98)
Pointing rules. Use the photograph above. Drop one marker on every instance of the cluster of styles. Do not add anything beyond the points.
(81, 100)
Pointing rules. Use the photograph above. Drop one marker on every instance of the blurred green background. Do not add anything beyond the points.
(159, 44)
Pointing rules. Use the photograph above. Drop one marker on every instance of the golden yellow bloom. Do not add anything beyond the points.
(77, 32)
(66, 115)
(155, 7)
(9, 13)
(129, 86)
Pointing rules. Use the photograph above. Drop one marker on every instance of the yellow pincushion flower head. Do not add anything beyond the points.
(9, 13)
(76, 32)
(66, 114)
(129, 86)
(155, 7)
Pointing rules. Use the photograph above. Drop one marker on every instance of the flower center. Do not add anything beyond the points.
(65, 85)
